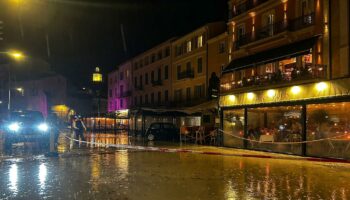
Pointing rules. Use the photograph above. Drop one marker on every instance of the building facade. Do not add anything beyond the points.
(286, 87)
(120, 88)
(152, 77)
(190, 65)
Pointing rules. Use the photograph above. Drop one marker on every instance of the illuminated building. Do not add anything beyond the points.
(287, 81)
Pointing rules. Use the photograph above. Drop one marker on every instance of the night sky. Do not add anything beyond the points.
(84, 34)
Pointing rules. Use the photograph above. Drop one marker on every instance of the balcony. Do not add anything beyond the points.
(275, 29)
(157, 82)
(125, 94)
(185, 74)
(244, 7)
(308, 73)
(138, 87)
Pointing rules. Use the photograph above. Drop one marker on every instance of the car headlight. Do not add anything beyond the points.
(14, 127)
(43, 127)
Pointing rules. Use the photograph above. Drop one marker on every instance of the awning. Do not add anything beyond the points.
(291, 50)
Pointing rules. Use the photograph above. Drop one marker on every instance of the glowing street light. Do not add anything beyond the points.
(16, 55)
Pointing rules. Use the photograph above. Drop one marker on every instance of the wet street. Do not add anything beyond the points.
(99, 173)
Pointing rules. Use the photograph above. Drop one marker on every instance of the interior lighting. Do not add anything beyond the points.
(321, 86)
(232, 97)
(271, 93)
(296, 89)
(250, 95)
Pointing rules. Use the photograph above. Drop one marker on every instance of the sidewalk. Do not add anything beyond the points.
(213, 150)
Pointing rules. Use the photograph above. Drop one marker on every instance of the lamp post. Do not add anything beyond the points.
(97, 80)
(17, 56)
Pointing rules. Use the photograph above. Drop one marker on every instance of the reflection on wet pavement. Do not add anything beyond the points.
(121, 174)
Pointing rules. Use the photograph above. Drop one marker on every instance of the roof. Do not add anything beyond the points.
(290, 50)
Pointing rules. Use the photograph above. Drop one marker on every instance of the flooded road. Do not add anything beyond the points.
(119, 174)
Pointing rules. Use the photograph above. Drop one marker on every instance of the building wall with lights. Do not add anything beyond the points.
(190, 63)
(152, 76)
(286, 88)
(120, 88)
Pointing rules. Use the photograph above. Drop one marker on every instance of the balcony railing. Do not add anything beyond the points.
(138, 87)
(185, 74)
(157, 82)
(244, 7)
(309, 72)
(125, 94)
(274, 29)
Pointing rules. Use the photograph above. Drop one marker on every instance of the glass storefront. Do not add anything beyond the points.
(233, 128)
(280, 129)
(275, 129)
(332, 121)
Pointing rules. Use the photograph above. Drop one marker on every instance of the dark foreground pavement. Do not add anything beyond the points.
(99, 173)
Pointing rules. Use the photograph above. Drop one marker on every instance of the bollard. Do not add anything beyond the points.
(52, 152)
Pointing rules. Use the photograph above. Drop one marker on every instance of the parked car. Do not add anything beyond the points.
(26, 126)
(162, 132)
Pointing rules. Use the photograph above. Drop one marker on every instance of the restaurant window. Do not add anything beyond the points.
(188, 94)
(121, 103)
(188, 66)
(146, 99)
(178, 95)
(135, 101)
(240, 31)
(160, 55)
(199, 91)
(159, 74)
(146, 60)
(233, 125)
(200, 41)
(200, 65)
(121, 90)
(127, 73)
(178, 70)
(188, 46)
(152, 98)
(166, 95)
(166, 72)
(306, 7)
(222, 47)
(152, 76)
(167, 52)
(159, 97)
(329, 121)
(153, 58)
(146, 79)
(271, 125)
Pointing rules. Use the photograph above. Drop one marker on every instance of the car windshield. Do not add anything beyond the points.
(27, 116)
(168, 126)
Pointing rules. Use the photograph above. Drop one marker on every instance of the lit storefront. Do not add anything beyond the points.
(309, 119)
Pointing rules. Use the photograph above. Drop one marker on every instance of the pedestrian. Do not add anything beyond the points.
(79, 128)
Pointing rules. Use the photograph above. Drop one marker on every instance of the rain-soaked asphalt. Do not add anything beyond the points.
(119, 174)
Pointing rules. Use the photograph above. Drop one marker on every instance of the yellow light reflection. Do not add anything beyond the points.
(321, 86)
(271, 93)
(250, 96)
(295, 90)
(232, 97)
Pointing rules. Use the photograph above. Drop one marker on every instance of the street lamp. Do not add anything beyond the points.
(17, 56)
